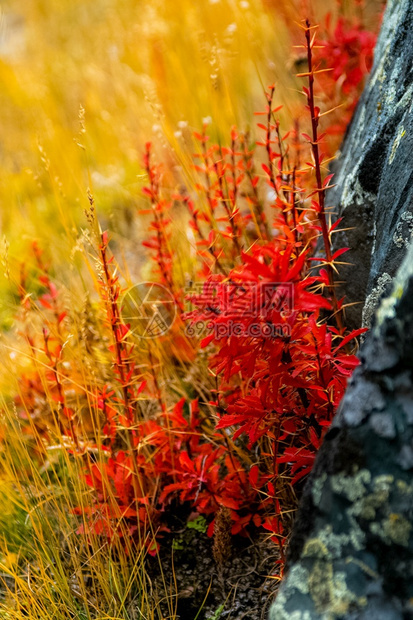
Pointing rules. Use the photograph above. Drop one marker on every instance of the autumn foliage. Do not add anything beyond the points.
(262, 316)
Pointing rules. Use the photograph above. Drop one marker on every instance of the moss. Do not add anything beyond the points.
(315, 548)
(317, 488)
(352, 487)
(367, 505)
(298, 579)
(404, 231)
(364, 567)
(320, 583)
(387, 309)
(335, 543)
(394, 529)
(396, 143)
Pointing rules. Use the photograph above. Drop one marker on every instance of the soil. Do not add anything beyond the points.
(240, 589)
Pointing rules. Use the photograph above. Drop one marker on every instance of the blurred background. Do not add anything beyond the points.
(85, 83)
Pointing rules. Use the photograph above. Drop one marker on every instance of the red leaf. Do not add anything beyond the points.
(253, 475)
(266, 169)
(205, 341)
(351, 336)
(327, 179)
(227, 502)
(210, 530)
(339, 253)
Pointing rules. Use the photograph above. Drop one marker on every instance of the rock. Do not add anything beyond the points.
(374, 173)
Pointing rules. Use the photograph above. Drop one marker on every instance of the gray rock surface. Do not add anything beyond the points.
(374, 173)
(351, 552)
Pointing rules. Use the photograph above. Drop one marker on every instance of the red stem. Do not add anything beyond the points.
(320, 190)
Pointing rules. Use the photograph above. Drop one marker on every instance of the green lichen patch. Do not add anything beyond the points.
(394, 529)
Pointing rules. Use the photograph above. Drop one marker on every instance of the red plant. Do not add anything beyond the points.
(278, 329)
(283, 371)
(49, 345)
(278, 346)
(346, 49)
